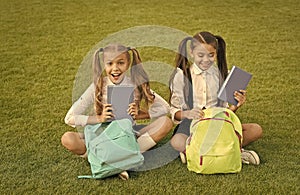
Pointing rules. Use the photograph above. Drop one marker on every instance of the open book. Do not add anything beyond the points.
(236, 80)
(120, 96)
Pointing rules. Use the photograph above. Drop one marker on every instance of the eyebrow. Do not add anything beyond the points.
(117, 60)
(206, 52)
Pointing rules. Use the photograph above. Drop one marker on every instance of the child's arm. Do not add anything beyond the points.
(240, 96)
(189, 114)
(75, 116)
(159, 107)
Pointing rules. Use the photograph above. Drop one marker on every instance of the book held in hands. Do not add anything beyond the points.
(120, 96)
(236, 80)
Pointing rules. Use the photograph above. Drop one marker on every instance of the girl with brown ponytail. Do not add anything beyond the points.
(117, 60)
(194, 87)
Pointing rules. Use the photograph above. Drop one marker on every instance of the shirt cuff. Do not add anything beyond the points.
(80, 120)
(173, 112)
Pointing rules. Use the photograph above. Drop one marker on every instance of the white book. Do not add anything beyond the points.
(236, 80)
(120, 96)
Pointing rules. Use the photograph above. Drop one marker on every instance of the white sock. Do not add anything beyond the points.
(145, 142)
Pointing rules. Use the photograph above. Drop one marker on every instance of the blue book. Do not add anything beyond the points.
(236, 80)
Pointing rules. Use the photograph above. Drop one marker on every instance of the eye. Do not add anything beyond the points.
(211, 55)
(109, 63)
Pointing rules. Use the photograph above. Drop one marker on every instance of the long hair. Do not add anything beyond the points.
(218, 43)
(138, 75)
(182, 62)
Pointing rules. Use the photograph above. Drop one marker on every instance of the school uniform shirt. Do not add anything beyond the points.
(81, 108)
(206, 85)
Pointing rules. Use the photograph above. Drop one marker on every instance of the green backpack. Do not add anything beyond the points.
(214, 145)
(111, 150)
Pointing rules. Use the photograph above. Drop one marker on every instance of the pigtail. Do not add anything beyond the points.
(140, 78)
(96, 66)
(181, 60)
(183, 63)
(98, 82)
(221, 57)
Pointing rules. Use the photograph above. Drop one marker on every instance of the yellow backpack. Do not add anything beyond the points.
(214, 145)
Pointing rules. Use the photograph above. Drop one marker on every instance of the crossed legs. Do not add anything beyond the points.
(150, 135)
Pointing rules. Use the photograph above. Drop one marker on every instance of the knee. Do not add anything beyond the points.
(252, 130)
(178, 142)
(173, 142)
(67, 140)
(169, 123)
(259, 130)
(166, 123)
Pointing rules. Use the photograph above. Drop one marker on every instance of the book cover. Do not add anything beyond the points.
(120, 96)
(236, 80)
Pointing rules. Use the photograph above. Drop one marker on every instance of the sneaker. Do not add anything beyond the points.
(83, 155)
(250, 157)
(124, 175)
(182, 157)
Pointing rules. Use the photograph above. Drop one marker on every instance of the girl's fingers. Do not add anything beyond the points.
(201, 114)
(132, 110)
(196, 114)
(108, 115)
(239, 95)
(107, 108)
(132, 104)
(243, 91)
(241, 98)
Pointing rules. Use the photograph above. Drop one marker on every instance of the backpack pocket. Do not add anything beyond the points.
(113, 151)
(221, 159)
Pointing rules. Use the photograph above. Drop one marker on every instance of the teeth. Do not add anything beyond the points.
(115, 75)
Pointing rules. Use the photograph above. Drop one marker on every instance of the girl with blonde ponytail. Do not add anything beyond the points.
(116, 60)
(194, 86)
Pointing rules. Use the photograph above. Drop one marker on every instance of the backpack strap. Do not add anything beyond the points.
(190, 99)
(221, 81)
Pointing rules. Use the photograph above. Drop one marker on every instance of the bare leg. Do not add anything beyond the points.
(178, 141)
(251, 133)
(159, 128)
(74, 142)
(154, 132)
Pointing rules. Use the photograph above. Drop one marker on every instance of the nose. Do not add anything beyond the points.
(205, 58)
(115, 66)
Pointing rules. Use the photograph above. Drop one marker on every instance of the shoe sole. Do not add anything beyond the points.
(182, 157)
(124, 176)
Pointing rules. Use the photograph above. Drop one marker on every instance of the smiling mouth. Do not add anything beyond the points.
(116, 76)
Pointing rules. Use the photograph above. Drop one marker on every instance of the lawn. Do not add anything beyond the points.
(45, 46)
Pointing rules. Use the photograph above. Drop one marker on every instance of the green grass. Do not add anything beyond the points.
(44, 42)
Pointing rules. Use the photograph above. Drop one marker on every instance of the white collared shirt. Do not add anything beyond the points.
(84, 106)
(206, 85)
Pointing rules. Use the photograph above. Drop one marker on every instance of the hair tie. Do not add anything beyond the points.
(101, 49)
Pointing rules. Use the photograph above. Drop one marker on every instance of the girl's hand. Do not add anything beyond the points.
(195, 113)
(240, 96)
(133, 110)
(106, 114)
